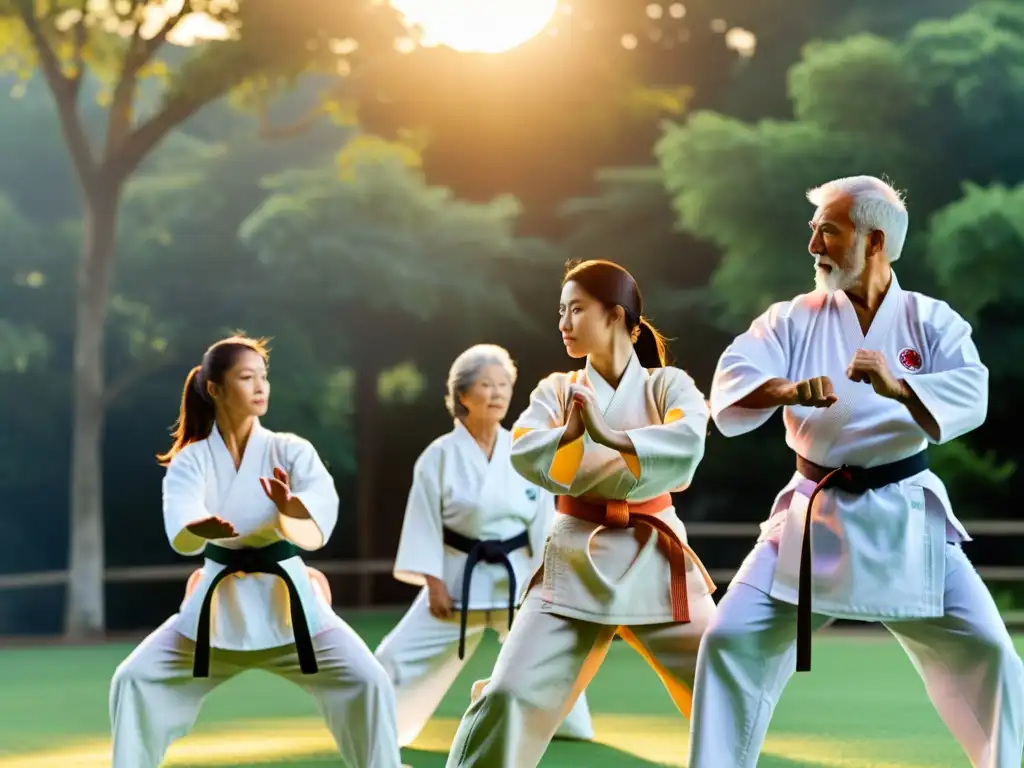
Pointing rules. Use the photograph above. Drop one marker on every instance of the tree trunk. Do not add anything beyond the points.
(84, 601)
(367, 376)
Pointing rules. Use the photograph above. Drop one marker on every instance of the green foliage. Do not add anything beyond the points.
(974, 63)
(629, 205)
(821, 84)
(863, 105)
(339, 397)
(145, 335)
(20, 234)
(215, 45)
(975, 243)
(630, 220)
(402, 383)
(966, 470)
(742, 187)
(21, 348)
(386, 239)
(938, 113)
(33, 285)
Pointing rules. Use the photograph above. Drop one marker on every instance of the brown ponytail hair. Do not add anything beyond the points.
(197, 413)
(614, 287)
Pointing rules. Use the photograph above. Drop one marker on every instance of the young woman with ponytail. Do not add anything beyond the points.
(247, 500)
(612, 441)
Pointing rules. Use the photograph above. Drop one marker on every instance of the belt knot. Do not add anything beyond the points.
(616, 514)
(492, 552)
(248, 561)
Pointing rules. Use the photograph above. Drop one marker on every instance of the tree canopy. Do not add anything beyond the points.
(866, 104)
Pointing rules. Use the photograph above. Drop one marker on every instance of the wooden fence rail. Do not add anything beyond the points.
(180, 572)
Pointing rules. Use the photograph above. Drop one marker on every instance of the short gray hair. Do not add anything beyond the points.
(876, 205)
(466, 370)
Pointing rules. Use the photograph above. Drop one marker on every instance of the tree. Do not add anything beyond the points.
(948, 83)
(262, 43)
(589, 92)
(781, 28)
(631, 220)
(373, 251)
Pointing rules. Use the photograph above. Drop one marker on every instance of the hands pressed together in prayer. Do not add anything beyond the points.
(585, 417)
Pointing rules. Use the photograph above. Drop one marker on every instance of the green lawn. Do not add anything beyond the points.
(862, 706)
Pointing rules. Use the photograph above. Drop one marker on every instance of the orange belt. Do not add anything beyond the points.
(623, 514)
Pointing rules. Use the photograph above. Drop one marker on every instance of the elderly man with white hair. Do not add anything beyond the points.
(868, 375)
(473, 535)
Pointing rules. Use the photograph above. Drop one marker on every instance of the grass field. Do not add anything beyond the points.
(862, 707)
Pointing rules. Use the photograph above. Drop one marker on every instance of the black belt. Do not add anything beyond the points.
(490, 551)
(262, 560)
(857, 480)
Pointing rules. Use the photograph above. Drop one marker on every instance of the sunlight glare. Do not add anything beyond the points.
(661, 740)
(743, 41)
(481, 26)
(194, 28)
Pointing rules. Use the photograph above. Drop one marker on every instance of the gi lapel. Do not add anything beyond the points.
(850, 394)
(614, 401)
(223, 469)
(494, 494)
(885, 318)
(604, 391)
(243, 489)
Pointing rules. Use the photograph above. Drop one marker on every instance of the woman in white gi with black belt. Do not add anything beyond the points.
(247, 499)
(473, 535)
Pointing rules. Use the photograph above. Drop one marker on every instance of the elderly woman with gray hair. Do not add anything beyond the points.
(473, 535)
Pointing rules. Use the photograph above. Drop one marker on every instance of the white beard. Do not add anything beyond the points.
(838, 279)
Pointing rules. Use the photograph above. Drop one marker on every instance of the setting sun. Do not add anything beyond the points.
(484, 26)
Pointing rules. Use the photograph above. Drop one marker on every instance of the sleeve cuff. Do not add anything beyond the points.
(632, 463)
(556, 465)
(632, 460)
(640, 463)
(732, 420)
(187, 543)
(303, 533)
(566, 461)
(931, 403)
(416, 577)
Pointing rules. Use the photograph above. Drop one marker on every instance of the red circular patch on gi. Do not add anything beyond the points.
(910, 359)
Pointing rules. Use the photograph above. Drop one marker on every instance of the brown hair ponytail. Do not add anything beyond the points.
(198, 413)
(195, 416)
(650, 347)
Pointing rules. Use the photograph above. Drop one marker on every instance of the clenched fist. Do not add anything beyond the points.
(871, 368)
(815, 392)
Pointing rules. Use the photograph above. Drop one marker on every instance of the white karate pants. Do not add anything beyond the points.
(154, 700)
(421, 655)
(970, 669)
(545, 664)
